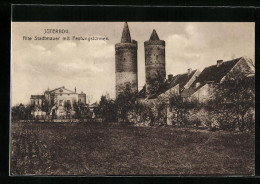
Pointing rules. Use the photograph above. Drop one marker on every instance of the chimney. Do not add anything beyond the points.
(189, 71)
(219, 62)
(170, 77)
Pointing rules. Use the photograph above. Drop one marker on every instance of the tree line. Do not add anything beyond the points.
(232, 108)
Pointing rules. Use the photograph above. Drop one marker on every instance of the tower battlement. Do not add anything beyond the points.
(154, 42)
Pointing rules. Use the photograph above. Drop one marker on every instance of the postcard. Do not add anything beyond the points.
(132, 98)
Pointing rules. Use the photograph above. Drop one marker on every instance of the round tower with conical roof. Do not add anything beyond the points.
(126, 63)
(154, 62)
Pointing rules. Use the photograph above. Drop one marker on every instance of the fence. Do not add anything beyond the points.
(97, 120)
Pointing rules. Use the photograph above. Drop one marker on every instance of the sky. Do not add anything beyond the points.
(37, 65)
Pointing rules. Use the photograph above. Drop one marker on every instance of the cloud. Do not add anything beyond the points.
(63, 64)
(90, 65)
(37, 47)
(201, 44)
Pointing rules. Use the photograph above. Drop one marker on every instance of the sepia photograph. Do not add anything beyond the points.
(132, 99)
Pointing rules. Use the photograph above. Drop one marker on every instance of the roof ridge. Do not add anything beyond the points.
(63, 88)
(57, 88)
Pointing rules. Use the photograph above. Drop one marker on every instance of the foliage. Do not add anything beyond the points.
(81, 111)
(22, 112)
(106, 109)
(235, 98)
(181, 107)
(46, 106)
(124, 104)
(77, 110)
(156, 83)
(68, 108)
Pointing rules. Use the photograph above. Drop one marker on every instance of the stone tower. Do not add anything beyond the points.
(154, 62)
(126, 63)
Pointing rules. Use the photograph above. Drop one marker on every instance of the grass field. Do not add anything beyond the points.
(115, 149)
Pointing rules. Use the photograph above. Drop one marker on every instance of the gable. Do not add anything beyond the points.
(62, 90)
(181, 79)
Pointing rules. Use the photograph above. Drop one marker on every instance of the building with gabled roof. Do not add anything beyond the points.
(202, 89)
(174, 84)
(57, 98)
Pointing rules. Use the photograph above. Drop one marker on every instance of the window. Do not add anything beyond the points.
(124, 59)
(60, 103)
(68, 101)
(156, 56)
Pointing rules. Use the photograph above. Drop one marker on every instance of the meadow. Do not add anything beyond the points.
(120, 149)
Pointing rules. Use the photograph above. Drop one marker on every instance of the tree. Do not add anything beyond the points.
(181, 107)
(106, 109)
(17, 112)
(28, 111)
(81, 110)
(235, 96)
(77, 110)
(46, 106)
(177, 105)
(68, 108)
(22, 112)
(156, 83)
(124, 104)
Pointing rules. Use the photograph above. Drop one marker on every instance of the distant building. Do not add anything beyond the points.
(57, 98)
(37, 101)
(202, 89)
